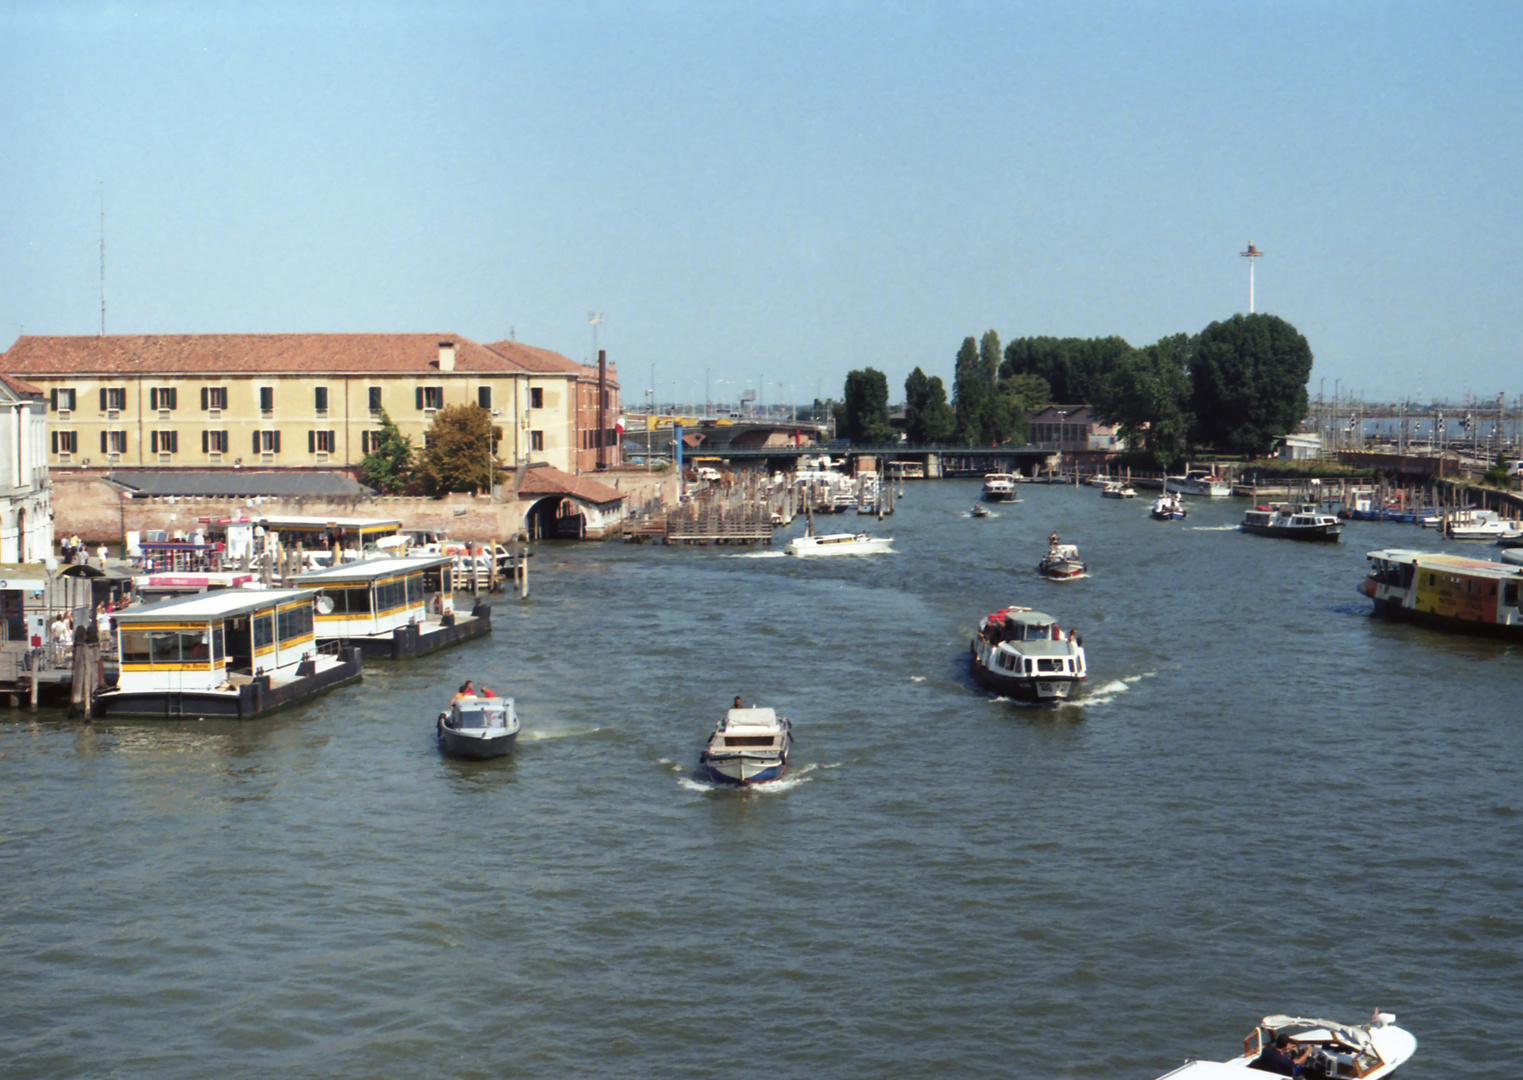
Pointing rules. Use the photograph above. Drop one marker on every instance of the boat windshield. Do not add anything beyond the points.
(479, 717)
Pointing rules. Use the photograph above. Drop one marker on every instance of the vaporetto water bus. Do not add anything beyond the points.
(1292, 521)
(1448, 592)
(393, 607)
(1024, 654)
(234, 653)
(1304, 1046)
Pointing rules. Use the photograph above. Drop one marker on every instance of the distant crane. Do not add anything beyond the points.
(1251, 254)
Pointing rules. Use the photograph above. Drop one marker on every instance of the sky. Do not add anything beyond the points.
(767, 196)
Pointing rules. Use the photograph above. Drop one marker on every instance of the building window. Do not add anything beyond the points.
(113, 442)
(266, 399)
(113, 397)
(65, 442)
(62, 400)
(213, 397)
(430, 397)
(536, 397)
(375, 399)
(266, 442)
(484, 397)
(163, 397)
(320, 398)
(536, 440)
(214, 442)
(164, 442)
(320, 442)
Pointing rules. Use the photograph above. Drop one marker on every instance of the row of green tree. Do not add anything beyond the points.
(459, 453)
(1233, 387)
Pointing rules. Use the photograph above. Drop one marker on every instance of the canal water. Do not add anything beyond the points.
(1265, 802)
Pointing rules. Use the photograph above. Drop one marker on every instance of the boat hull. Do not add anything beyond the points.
(739, 771)
(1324, 533)
(1024, 687)
(258, 697)
(1396, 611)
(462, 744)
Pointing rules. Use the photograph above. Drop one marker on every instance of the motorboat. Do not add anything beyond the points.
(1116, 489)
(1365, 1051)
(979, 510)
(1447, 592)
(478, 727)
(1024, 654)
(1199, 482)
(999, 487)
(1292, 521)
(1513, 556)
(1169, 507)
(1061, 562)
(1482, 525)
(748, 746)
(837, 544)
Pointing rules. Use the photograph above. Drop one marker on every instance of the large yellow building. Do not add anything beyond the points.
(301, 400)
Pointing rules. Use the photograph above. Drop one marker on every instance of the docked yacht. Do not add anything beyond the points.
(748, 746)
(999, 487)
(1024, 654)
(1292, 521)
(478, 727)
(1481, 525)
(1448, 592)
(1168, 507)
(1117, 489)
(1199, 482)
(1326, 1048)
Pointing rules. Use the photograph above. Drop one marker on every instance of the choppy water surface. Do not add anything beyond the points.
(1266, 802)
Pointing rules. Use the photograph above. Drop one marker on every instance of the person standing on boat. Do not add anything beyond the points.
(737, 704)
(466, 690)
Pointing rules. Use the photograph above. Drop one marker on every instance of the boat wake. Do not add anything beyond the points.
(546, 734)
(758, 555)
(1212, 528)
(771, 787)
(917, 678)
(1072, 577)
(1104, 695)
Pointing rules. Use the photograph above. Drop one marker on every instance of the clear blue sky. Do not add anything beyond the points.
(775, 191)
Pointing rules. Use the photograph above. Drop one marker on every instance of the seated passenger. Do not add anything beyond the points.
(466, 690)
(1283, 1057)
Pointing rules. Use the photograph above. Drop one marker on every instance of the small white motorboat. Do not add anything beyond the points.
(1199, 482)
(979, 511)
(999, 487)
(837, 544)
(1169, 507)
(1117, 489)
(748, 746)
(478, 727)
(1480, 525)
(1061, 562)
(1320, 1048)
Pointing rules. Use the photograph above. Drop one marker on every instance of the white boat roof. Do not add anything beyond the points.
(373, 569)
(295, 521)
(1437, 560)
(753, 717)
(222, 604)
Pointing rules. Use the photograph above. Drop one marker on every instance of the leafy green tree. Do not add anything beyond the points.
(1147, 395)
(388, 466)
(866, 412)
(1073, 367)
(460, 451)
(989, 357)
(1033, 390)
(927, 416)
(970, 388)
(1248, 378)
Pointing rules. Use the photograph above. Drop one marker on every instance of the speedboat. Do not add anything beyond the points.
(1169, 507)
(1199, 482)
(749, 746)
(1366, 1051)
(478, 727)
(837, 544)
(1292, 521)
(1061, 562)
(999, 487)
(1481, 525)
(1024, 654)
(1116, 489)
(979, 511)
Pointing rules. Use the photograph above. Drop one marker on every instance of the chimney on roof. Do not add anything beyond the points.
(446, 356)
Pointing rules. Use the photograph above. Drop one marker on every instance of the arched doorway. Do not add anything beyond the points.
(555, 518)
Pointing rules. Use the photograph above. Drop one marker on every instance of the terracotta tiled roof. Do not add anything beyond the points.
(531, 359)
(266, 354)
(547, 480)
(22, 388)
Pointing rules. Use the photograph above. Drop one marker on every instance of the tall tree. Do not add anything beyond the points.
(1073, 367)
(916, 391)
(939, 421)
(989, 357)
(460, 451)
(1147, 395)
(1248, 382)
(970, 387)
(866, 413)
(388, 466)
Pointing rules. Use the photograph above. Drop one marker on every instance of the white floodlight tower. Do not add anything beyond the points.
(1251, 254)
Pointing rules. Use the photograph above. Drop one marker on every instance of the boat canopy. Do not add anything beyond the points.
(369, 570)
(1348, 1034)
(212, 606)
(751, 718)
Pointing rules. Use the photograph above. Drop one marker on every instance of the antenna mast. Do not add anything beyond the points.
(1251, 254)
(102, 258)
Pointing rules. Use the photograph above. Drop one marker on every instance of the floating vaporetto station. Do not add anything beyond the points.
(234, 653)
(393, 607)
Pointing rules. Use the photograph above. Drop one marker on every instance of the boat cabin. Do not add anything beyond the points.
(197, 642)
(32, 596)
(152, 588)
(748, 729)
(373, 597)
